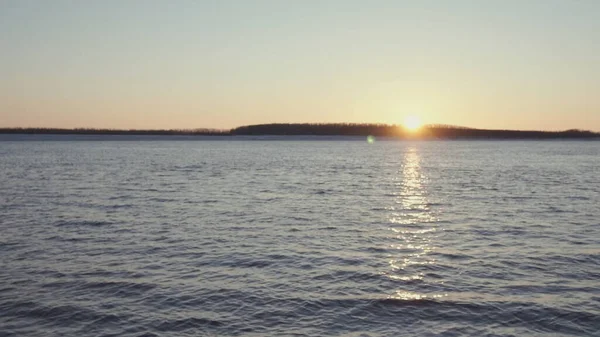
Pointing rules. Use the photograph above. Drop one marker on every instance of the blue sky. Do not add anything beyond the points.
(179, 64)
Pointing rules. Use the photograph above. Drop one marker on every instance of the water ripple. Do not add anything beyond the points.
(218, 238)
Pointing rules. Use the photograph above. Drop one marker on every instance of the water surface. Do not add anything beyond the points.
(299, 238)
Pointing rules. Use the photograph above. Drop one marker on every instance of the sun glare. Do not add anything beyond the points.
(412, 123)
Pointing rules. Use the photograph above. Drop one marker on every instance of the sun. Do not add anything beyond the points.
(412, 123)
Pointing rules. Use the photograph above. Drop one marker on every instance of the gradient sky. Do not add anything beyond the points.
(522, 64)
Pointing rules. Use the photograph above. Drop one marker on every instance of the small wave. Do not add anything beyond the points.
(59, 315)
(84, 223)
(509, 314)
(186, 324)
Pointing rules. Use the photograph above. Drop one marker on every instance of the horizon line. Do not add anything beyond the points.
(211, 129)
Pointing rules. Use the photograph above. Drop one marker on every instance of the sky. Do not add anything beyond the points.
(502, 64)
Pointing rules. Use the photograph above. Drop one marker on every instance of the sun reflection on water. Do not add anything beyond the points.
(408, 296)
(413, 228)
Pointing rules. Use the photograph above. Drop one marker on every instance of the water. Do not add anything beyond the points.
(299, 238)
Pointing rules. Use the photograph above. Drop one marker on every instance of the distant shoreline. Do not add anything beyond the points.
(430, 132)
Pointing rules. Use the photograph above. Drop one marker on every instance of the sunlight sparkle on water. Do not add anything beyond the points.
(408, 296)
(412, 223)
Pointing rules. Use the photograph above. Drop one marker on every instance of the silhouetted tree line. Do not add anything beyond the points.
(387, 130)
(92, 131)
(331, 129)
(318, 129)
(467, 133)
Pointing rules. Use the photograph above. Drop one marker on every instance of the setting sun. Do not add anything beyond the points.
(412, 123)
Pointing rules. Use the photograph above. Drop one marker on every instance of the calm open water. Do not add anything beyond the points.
(299, 238)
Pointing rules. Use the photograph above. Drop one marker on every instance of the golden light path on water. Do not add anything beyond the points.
(413, 227)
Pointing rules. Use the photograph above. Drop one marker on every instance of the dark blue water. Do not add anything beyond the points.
(299, 238)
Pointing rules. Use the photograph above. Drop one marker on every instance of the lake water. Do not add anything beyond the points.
(301, 237)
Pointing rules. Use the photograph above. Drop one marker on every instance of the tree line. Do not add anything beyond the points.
(438, 131)
(93, 131)
(320, 129)
(329, 129)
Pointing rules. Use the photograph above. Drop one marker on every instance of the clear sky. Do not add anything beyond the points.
(523, 64)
